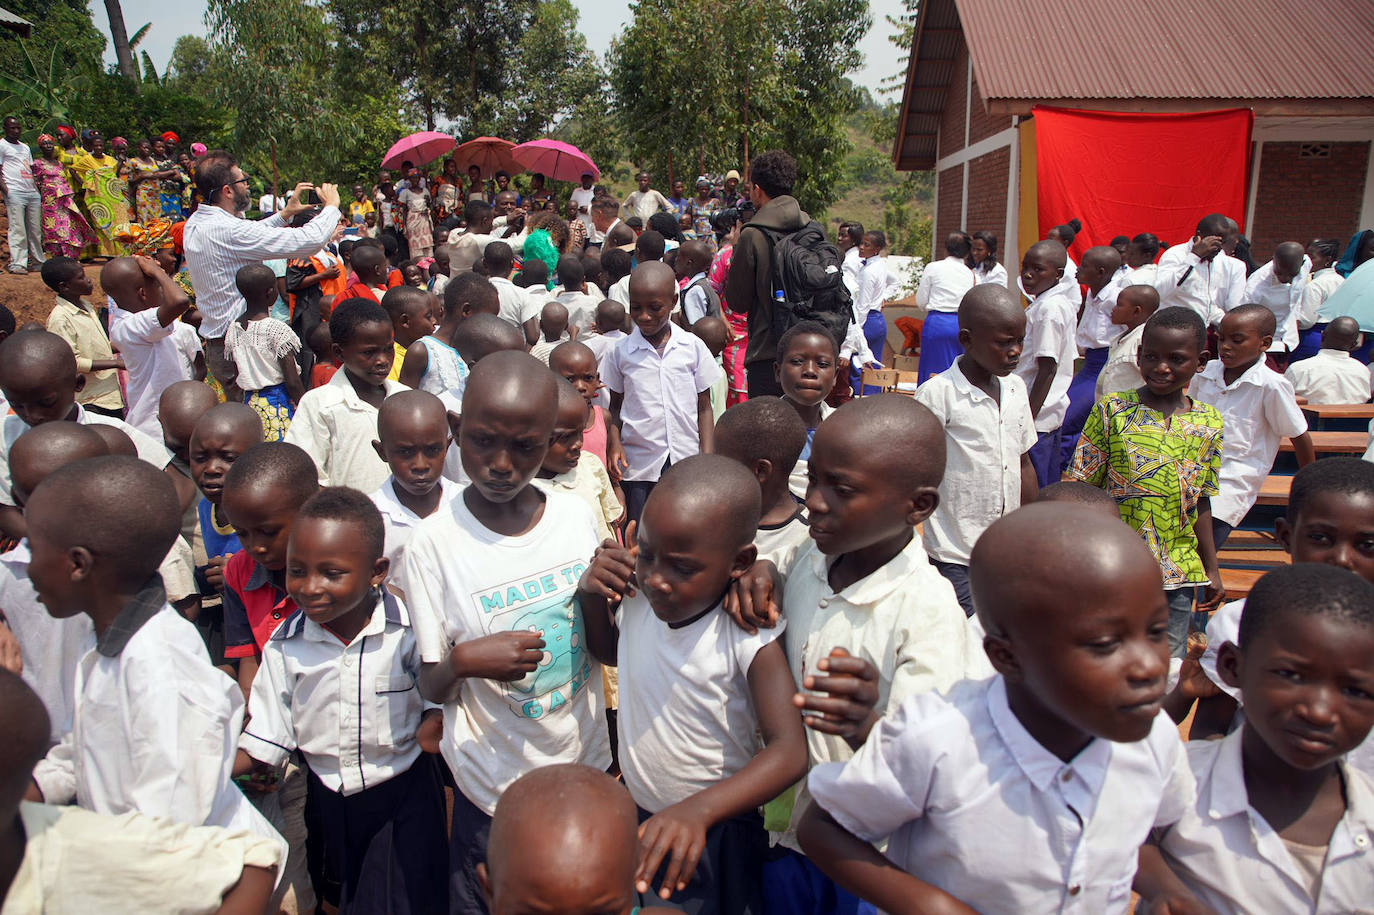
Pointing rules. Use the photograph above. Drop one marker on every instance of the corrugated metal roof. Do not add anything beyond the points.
(1171, 49)
(15, 23)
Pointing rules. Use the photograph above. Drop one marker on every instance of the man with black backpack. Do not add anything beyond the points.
(784, 270)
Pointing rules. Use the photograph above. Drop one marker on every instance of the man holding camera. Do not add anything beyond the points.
(219, 241)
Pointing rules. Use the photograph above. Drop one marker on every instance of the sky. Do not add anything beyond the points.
(601, 20)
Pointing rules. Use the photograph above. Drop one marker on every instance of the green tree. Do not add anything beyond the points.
(188, 69)
(61, 54)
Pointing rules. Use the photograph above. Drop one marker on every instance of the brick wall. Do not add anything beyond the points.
(982, 125)
(952, 118)
(951, 202)
(1301, 199)
(987, 193)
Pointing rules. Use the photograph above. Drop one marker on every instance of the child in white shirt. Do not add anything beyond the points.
(1278, 287)
(146, 301)
(265, 351)
(1047, 358)
(1134, 305)
(568, 468)
(1332, 375)
(1033, 790)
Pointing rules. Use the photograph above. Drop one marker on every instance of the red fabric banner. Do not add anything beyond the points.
(1122, 174)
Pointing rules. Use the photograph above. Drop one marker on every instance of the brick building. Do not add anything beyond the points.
(978, 67)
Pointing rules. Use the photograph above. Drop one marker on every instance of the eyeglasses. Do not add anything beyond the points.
(243, 180)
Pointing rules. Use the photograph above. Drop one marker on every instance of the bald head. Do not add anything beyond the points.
(1050, 252)
(24, 722)
(900, 438)
(1019, 565)
(35, 358)
(1343, 334)
(508, 379)
(116, 439)
(562, 836)
(570, 357)
(720, 495)
(653, 278)
(696, 254)
(409, 410)
(483, 334)
(236, 420)
(179, 409)
(1288, 259)
(1103, 257)
(988, 306)
(43, 449)
(122, 279)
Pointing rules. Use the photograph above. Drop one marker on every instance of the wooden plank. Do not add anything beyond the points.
(1232, 558)
(1341, 410)
(1274, 490)
(1334, 443)
(1238, 582)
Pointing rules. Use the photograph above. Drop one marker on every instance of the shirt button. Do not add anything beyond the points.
(1067, 776)
(1361, 841)
(1214, 815)
(824, 602)
(1075, 889)
(276, 614)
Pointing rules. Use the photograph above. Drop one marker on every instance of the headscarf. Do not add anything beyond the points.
(86, 136)
(198, 149)
(45, 136)
(66, 131)
(170, 137)
(1347, 262)
(119, 143)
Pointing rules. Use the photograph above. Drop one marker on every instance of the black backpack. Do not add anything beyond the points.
(809, 271)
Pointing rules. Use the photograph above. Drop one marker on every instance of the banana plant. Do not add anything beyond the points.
(47, 87)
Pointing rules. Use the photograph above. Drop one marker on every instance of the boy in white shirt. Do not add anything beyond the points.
(1333, 375)
(660, 380)
(146, 302)
(989, 432)
(1278, 287)
(1282, 822)
(155, 725)
(374, 798)
(698, 299)
(697, 687)
(491, 583)
(1134, 305)
(572, 293)
(1093, 338)
(1046, 365)
(335, 423)
(1200, 275)
(609, 327)
(1032, 790)
(1258, 411)
(517, 307)
(413, 438)
(877, 284)
(567, 468)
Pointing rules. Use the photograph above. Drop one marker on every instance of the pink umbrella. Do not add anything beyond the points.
(419, 148)
(490, 154)
(555, 159)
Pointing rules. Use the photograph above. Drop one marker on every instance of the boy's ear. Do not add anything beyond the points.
(1283, 532)
(743, 560)
(80, 384)
(455, 421)
(763, 468)
(1228, 664)
(965, 338)
(336, 351)
(81, 561)
(379, 570)
(1002, 656)
(922, 504)
(484, 879)
(1268, 341)
(381, 452)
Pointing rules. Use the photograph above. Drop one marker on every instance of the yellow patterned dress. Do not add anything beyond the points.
(106, 199)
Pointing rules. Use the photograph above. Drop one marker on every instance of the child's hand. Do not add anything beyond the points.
(214, 571)
(148, 266)
(851, 685)
(507, 656)
(615, 456)
(612, 571)
(431, 730)
(677, 833)
(1193, 682)
(754, 599)
(10, 657)
(1212, 594)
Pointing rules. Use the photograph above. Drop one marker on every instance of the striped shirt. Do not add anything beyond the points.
(218, 244)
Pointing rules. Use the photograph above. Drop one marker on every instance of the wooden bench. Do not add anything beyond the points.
(1352, 443)
(1238, 582)
(1274, 490)
(1269, 558)
(1349, 417)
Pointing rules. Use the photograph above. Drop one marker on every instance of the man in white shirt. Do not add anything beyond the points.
(1201, 276)
(942, 287)
(219, 241)
(1333, 375)
(605, 217)
(21, 198)
(646, 201)
(1046, 364)
(582, 198)
(465, 246)
(1278, 286)
(145, 304)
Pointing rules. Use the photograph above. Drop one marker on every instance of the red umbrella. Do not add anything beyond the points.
(490, 154)
(420, 148)
(555, 159)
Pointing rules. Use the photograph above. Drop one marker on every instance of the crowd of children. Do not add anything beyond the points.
(490, 597)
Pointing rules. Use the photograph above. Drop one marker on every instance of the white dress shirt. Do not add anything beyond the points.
(1234, 861)
(659, 412)
(583, 198)
(1319, 287)
(16, 164)
(1258, 411)
(353, 709)
(465, 249)
(581, 310)
(996, 274)
(695, 302)
(620, 292)
(1210, 288)
(11, 427)
(852, 266)
(973, 804)
(1331, 376)
(943, 285)
(1280, 298)
(903, 619)
(1122, 371)
(153, 360)
(1144, 275)
(336, 428)
(155, 727)
(401, 523)
(1051, 319)
(517, 306)
(877, 284)
(1096, 330)
(218, 244)
(984, 442)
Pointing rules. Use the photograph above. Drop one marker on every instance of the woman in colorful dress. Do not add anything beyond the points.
(448, 192)
(106, 196)
(172, 182)
(144, 175)
(419, 231)
(65, 231)
(727, 225)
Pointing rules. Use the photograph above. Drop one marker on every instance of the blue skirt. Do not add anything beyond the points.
(275, 408)
(939, 344)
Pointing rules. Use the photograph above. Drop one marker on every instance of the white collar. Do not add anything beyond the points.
(350, 396)
(639, 341)
(1249, 376)
(392, 507)
(1333, 354)
(1039, 764)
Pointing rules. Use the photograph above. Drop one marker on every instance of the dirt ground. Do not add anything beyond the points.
(26, 296)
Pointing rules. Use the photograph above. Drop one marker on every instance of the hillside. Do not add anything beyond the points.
(873, 193)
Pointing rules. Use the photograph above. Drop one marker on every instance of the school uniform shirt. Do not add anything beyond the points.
(1096, 330)
(1319, 287)
(1144, 275)
(1258, 411)
(687, 718)
(581, 310)
(878, 284)
(336, 428)
(77, 861)
(352, 709)
(79, 325)
(1235, 861)
(696, 304)
(188, 346)
(1050, 322)
(984, 442)
(516, 306)
(1121, 372)
(1209, 288)
(401, 522)
(971, 803)
(11, 427)
(659, 411)
(620, 292)
(153, 361)
(155, 727)
(1331, 376)
(1283, 300)
(601, 344)
(996, 274)
(50, 647)
(903, 619)
(590, 483)
(944, 283)
(781, 543)
(465, 581)
(851, 266)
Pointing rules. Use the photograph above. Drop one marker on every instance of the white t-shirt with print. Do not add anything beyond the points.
(464, 581)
